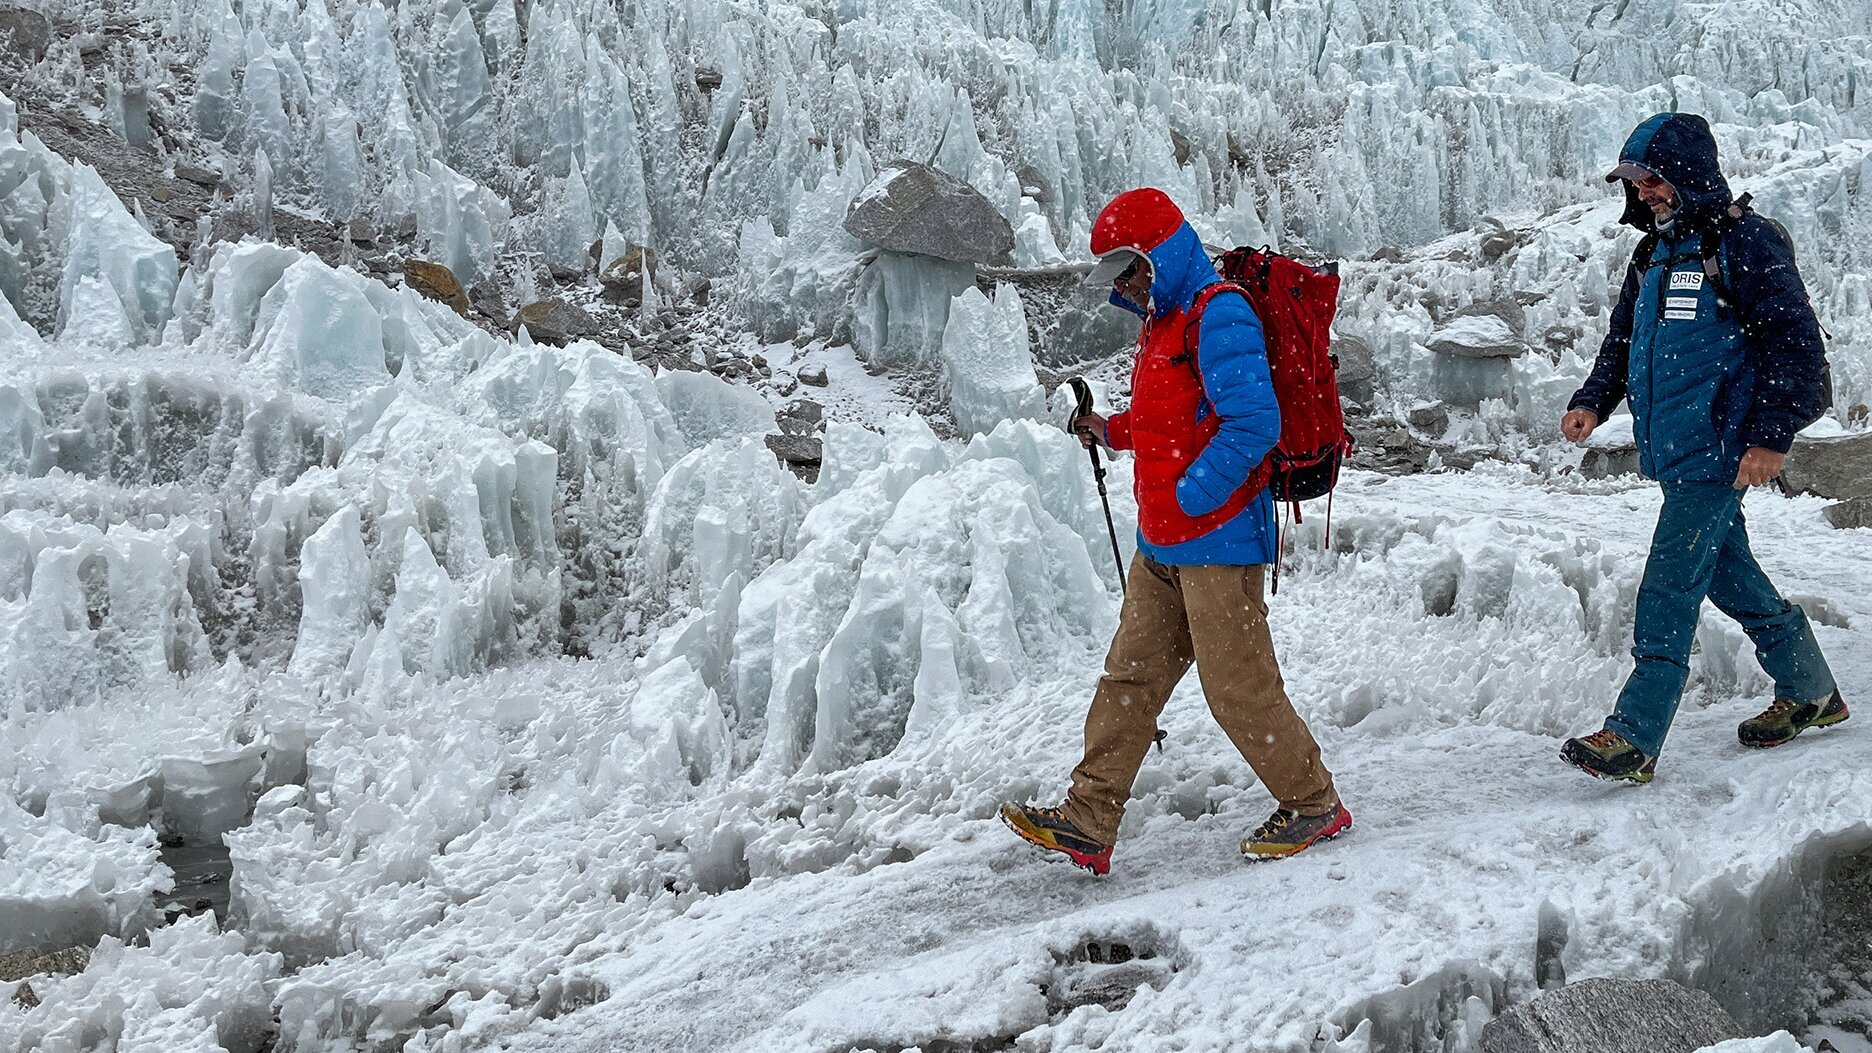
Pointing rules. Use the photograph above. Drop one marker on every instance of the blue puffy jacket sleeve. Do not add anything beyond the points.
(1783, 334)
(1605, 387)
(1231, 355)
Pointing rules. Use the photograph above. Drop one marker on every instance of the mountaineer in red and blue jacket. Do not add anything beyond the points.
(1201, 430)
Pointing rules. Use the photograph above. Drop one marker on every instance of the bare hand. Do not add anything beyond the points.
(1091, 431)
(1759, 467)
(1578, 424)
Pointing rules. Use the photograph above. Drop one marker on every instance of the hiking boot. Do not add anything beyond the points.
(1604, 755)
(1050, 829)
(1287, 832)
(1784, 719)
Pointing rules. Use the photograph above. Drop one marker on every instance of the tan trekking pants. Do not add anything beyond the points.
(1216, 617)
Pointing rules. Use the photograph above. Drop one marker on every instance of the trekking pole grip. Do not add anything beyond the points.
(1082, 407)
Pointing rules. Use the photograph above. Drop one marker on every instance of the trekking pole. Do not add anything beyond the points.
(1082, 406)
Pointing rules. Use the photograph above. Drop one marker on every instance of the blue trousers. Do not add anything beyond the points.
(1701, 550)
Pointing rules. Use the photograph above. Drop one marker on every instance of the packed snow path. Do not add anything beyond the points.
(1471, 837)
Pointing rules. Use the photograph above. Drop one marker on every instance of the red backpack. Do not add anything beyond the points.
(1295, 304)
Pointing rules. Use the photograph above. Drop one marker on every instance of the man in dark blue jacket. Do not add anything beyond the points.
(1716, 346)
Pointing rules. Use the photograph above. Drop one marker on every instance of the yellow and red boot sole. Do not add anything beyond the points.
(1098, 862)
(1263, 851)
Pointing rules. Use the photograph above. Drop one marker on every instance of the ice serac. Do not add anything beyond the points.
(191, 988)
(66, 885)
(987, 361)
(901, 308)
(107, 250)
(707, 407)
(334, 585)
(316, 331)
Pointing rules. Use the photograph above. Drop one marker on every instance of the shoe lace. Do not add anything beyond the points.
(1603, 739)
(1780, 707)
(1280, 820)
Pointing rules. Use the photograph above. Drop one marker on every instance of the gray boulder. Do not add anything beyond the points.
(913, 208)
(28, 33)
(555, 321)
(1429, 417)
(1602, 462)
(1483, 330)
(1612, 1016)
(1839, 467)
(1354, 356)
(1851, 514)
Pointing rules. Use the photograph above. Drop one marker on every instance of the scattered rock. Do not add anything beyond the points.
(1354, 358)
(556, 322)
(487, 299)
(1429, 417)
(707, 79)
(436, 282)
(801, 417)
(1034, 183)
(1181, 145)
(1558, 338)
(913, 208)
(812, 376)
(1612, 1016)
(1603, 462)
(624, 276)
(1484, 330)
(27, 33)
(1497, 239)
(18, 965)
(1855, 513)
(1387, 254)
(360, 232)
(563, 275)
(798, 451)
(1838, 467)
(198, 176)
(1857, 414)
(697, 291)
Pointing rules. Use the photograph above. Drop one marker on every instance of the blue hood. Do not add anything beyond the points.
(1679, 147)
(1180, 268)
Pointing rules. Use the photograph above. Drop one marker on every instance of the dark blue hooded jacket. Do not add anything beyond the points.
(1706, 381)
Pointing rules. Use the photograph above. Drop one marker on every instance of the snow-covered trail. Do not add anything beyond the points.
(1467, 832)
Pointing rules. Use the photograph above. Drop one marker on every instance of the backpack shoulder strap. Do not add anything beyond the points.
(1712, 246)
(1192, 329)
(1641, 256)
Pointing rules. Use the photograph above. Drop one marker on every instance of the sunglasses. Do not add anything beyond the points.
(1650, 182)
(1128, 273)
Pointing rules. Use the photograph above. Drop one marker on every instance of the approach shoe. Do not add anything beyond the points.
(1287, 832)
(1605, 755)
(1784, 719)
(1050, 829)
